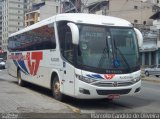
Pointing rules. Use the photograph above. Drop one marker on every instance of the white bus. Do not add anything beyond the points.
(84, 56)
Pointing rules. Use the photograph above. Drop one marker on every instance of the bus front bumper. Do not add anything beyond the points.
(87, 91)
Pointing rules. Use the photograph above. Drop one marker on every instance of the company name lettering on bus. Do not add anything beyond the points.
(55, 59)
(18, 57)
(113, 72)
(126, 77)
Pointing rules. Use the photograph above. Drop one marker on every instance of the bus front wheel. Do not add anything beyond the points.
(20, 81)
(56, 89)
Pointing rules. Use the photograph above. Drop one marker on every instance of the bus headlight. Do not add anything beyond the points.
(86, 79)
(136, 79)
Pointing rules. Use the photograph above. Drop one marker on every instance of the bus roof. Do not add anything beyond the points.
(79, 18)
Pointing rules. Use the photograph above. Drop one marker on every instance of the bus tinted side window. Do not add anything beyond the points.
(42, 38)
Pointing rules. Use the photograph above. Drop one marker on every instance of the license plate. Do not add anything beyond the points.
(113, 96)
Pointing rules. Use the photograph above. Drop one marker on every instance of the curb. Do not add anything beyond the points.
(150, 80)
(74, 109)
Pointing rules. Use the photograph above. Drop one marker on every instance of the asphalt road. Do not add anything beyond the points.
(148, 101)
(38, 100)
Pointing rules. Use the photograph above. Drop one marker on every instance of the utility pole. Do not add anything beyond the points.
(60, 5)
(141, 12)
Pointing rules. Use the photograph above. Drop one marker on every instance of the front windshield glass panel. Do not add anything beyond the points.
(107, 47)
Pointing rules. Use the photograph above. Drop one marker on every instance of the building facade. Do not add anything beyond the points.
(156, 27)
(13, 18)
(135, 11)
(148, 52)
(0, 24)
(32, 17)
(41, 10)
(50, 8)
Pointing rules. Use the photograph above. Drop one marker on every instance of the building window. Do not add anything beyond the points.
(25, 6)
(56, 9)
(135, 7)
(135, 21)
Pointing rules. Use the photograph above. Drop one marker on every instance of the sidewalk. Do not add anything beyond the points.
(16, 99)
(151, 79)
(5, 76)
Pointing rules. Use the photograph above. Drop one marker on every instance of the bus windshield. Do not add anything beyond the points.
(108, 47)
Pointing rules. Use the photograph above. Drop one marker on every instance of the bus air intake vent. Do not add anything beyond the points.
(108, 92)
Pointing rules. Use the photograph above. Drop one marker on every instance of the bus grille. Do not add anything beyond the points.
(107, 92)
(113, 84)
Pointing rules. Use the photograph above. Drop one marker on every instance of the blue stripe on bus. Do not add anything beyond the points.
(90, 76)
(95, 76)
(16, 63)
(23, 66)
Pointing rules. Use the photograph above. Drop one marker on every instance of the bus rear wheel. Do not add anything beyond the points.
(56, 89)
(20, 81)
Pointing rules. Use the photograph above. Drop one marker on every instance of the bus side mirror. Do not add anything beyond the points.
(75, 33)
(139, 37)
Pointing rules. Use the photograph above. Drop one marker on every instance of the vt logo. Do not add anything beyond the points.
(109, 76)
(33, 60)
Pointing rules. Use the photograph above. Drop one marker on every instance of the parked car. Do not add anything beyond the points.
(153, 70)
(2, 63)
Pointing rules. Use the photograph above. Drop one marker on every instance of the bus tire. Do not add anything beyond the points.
(20, 81)
(56, 89)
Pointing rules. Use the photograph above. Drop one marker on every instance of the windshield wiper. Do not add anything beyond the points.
(124, 59)
(105, 51)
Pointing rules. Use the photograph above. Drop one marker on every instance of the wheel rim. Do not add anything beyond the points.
(56, 89)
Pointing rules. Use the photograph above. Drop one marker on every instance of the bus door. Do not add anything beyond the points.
(69, 70)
